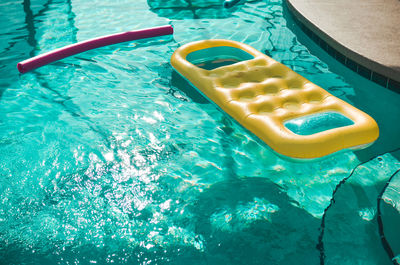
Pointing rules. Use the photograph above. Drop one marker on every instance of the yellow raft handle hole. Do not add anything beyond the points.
(215, 57)
(317, 122)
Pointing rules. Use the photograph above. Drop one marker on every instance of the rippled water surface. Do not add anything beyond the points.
(109, 157)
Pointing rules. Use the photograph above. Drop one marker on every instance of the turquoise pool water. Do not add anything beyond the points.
(109, 157)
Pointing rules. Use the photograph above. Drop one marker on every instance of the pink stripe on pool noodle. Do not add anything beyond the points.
(58, 54)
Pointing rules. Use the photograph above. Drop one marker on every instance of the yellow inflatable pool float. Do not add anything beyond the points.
(295, 117)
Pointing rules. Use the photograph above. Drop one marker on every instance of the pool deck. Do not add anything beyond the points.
(365, 31)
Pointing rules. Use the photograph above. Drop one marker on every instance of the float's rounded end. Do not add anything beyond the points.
(171, 29)
(20, 68)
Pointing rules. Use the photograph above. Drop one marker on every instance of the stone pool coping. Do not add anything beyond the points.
(361, 34)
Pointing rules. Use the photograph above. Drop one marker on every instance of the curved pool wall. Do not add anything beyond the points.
(109, 156)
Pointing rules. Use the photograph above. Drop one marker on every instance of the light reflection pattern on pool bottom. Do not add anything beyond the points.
(110, 159)
(101, 212)
(141, 190)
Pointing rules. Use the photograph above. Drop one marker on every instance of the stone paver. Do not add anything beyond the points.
(366, 31)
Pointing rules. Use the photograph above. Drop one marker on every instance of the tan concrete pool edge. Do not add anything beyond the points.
(367, 46)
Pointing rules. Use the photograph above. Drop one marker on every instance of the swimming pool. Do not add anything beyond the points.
(110, 157)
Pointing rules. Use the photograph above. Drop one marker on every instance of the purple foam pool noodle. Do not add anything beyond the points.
(58, 54)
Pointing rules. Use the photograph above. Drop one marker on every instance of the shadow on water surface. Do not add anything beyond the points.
(251, 221)
(29, 20)
(184, 9)
(186, 88)
(178, 86)
(22, 42)
(192, 9)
